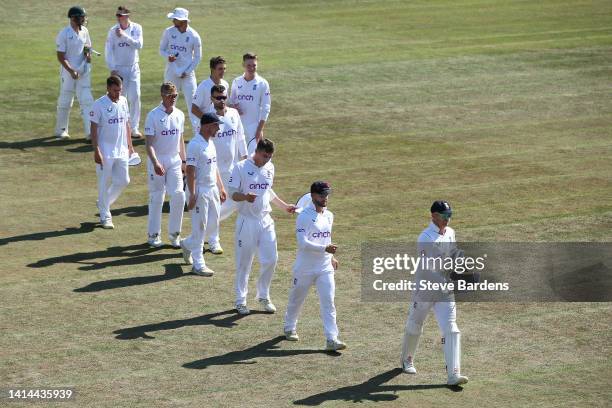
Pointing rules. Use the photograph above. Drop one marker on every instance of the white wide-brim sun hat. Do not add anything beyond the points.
(134, 159)
(179, 13)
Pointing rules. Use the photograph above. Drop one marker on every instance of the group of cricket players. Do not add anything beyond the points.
(226, 167)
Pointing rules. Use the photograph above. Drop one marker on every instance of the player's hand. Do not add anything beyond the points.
(98, 157)
(74, 74)
(335, 264)
(258, 135)
(159, 169)
(223, 196)
(183, 167)
(192, 201)
(237, 107)
(331, 248)
(171, 58)
(183, 75)
(118, 31)
(250, 197)
(291, 209)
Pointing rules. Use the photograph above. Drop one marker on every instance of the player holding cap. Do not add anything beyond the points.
(122, 44)
(166, 150)
(231, 148)
(112, 145)
(206, 191)
(437, 240)
(201, 100)
(181, 46)
(251, 96)
(250, 185)
(73, 53)
(315, 265)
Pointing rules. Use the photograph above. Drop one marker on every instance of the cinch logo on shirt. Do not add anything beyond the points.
(227, 133)
(170, 132)
(178, 48)
(123, 44)
(245, 97)
(259, 186)
(322, 234)
(114, 121)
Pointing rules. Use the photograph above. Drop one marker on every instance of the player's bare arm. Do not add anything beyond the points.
(190, 172)
(61, 57)
(159, 169)
(290, 208)
(222, 192)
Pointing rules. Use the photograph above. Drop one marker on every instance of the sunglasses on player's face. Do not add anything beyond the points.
(220, 97)
(170, 95)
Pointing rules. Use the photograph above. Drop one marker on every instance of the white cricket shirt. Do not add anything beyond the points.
(72, 44)
(313, 232)
(203, 156)
(253, 97)
(187, 47)
(248, 178)
(123, 51)
(229, 141)
(201, 98)
(165, 130)
(112, 119)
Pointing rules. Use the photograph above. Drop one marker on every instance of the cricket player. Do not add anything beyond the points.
(73, 47)
(166, 151)
(250, 185)
(314, 266)
(206, 191)
(231, 148)
(181, 46)
(112, 144)
(201, 100)
(436, 241)
(122, 44)
(250, 94)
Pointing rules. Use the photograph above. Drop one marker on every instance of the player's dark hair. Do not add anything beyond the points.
(249, 55)
(214, 61)
(265, 145)
(217, 88)
(167, 87)
(113, 80)
(123, 10)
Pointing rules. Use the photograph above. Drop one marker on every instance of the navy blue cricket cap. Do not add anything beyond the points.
(441, 206)
(320, 187)
(209, 117)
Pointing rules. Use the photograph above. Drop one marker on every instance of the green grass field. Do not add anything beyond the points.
(504, 108)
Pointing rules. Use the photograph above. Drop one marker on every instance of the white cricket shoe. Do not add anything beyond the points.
(107, 223)
(335, 345)
(186, 253)
(408, 367)
(205, 271)
(175, 239)
(267, 305)
(242, 309)
(291, 335)
(154, 240)
(215, 248)
(136, 134)
(457, 379)
(63, 135)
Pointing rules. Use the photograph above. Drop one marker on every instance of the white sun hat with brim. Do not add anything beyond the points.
(179, 13)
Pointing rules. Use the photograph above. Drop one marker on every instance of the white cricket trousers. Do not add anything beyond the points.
(254, 235)
(205, 211)
(68, 87)
(326, 288)
(249, 136)
(172, 183)
(113, 177)
(131, 90)
(187, 86)
(227, 208)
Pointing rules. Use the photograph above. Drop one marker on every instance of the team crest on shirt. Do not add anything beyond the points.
(163, 120)
(187, 39)
(109, 109)
(250, 173)
(173, 37)
(255, 87)
(71, 37)
(269, 173)
(239, 86)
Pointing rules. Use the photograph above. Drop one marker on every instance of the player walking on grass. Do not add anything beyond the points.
(437, 241)
(231, 148)
(251, 187)
(250, 94)
(112, 145)
(73, 53)
(181, 47)
(122, 44)
(206, 191)
(166, 150)
(314, 266)
(201, 100)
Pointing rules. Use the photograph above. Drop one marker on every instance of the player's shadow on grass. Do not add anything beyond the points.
(225, 319)
(267, 349)
(39, 236)
(370, 390)
(173, 271)
(128, 255)
(49, 141)
(138, 210)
